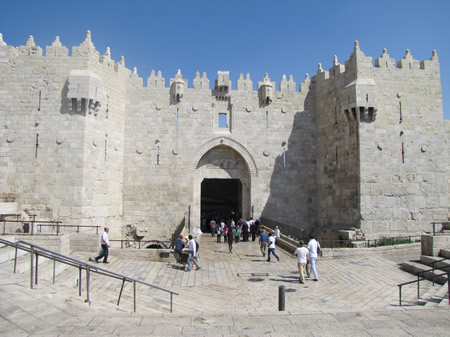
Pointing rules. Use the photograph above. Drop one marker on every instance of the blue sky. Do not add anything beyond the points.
(246, 36)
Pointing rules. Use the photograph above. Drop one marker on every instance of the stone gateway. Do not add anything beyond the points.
(361, 145)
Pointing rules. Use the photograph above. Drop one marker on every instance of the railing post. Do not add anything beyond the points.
(15, 261)
(31, 267)
(448, 287)
(87, 284)
(434, 230)
(400, 295)
(54, 270)
(418, 286)
(57, 229)
(121, 289)
(171, 307)
(37, 269)
(134, 294)
(79, 280)
(281, 298)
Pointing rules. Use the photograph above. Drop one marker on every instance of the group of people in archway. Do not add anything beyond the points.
(236, 231)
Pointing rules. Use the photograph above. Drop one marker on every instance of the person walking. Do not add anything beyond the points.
(313, 246)
(179, 245)
(212, 224)
(104, 241)
(230, 239)
(263, 240)
(192, 248)
(302, 254)
(272, 248)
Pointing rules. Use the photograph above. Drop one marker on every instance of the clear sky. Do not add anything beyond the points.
(242, 36)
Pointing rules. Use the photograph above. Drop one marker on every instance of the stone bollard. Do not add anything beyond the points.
(281, 298)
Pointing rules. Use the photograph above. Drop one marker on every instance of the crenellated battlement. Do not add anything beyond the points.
(354, 67)
(359, 63)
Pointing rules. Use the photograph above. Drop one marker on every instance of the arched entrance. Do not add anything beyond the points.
(222, 181)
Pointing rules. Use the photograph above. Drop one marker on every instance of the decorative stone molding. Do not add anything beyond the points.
(239, 148)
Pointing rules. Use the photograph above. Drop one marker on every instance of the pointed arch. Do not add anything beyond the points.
(239, 148)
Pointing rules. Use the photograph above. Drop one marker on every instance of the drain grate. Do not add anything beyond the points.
(255, 279)
(290, 290)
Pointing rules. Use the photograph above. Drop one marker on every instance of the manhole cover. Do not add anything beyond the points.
(256, 279)
(290, 290)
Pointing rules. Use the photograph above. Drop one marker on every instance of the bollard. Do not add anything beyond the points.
(281, 298)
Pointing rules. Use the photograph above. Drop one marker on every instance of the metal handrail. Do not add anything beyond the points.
(165, 244)
(46, 223)
(422, 279)
(444, 223)
(57, 257)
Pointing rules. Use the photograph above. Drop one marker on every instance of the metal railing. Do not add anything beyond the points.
(36, 251)
(422, 279)
(444, 225)
(124, 243)
(29, 226)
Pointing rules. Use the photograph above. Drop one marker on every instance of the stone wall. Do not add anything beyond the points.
(432, 245)
(359, 145)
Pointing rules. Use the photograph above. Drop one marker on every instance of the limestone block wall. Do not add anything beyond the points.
(404, 183)
(63, 156)
(164, 138)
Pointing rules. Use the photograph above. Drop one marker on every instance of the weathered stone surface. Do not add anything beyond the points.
(359, 146)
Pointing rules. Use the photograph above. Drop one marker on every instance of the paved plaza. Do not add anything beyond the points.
(231, 295)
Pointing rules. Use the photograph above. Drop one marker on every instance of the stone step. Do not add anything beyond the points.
(445, 253)
(438, 297)
(428, 260)
(414, 267)
(8, 253)
(427, 295)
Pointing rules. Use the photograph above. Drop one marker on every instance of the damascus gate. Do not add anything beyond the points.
(86, 141)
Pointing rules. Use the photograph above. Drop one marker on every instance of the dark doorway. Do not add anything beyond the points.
(220, 199)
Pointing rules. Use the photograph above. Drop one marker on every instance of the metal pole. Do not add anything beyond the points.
(31, 267)
(418, 287)
(121, 289)
(434, 231)
(15, 261)
(79, 281)
(281, 298)
(87, 284)
(37, 269)
(448, 287)
(400, 295)
(171, 297)
(54, 270)
(134, 294)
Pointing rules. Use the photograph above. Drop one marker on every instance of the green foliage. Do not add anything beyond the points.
(384, 241)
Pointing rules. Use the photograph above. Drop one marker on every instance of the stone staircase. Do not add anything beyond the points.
(437, 293)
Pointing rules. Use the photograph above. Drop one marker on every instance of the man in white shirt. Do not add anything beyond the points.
(192, 248)
(272, 248)
(302, 254)
(104, 241)
(313, 245)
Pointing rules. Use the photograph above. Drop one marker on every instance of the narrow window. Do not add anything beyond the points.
(178, 116)
(267, 119)
(223, 121)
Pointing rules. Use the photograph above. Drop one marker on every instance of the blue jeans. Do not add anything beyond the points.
(213, 231)
(313, 267)
(191, 259)
(272, 250)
